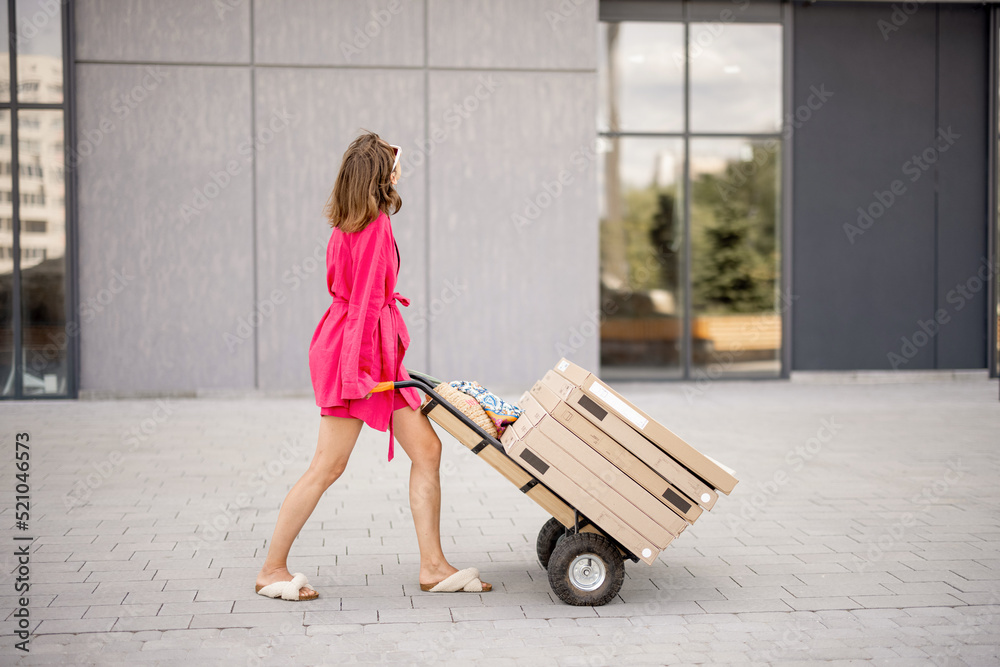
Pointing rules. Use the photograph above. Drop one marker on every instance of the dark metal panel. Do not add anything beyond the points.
(856, 301)
(963, 218)
(724, 11)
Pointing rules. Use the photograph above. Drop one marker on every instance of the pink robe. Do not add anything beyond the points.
(361, 339)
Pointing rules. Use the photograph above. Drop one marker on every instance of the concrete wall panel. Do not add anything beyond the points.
(339, 32)
(528, 34)
(513, 224)
(157, 31)
(298, 162)
(164, 201)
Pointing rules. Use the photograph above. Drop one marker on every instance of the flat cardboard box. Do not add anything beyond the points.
(555, 386)
(621, 458)
(529, 453)
(710, 470)
(641, 499)
(502, 463)
(606, 494)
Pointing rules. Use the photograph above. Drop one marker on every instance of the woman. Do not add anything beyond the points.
(360, 342)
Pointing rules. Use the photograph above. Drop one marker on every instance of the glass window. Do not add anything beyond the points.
(34, 331)
(641, 249)
(736, 320)
(7, 349)
(43, 255)
(641, 77)
(735, 77)
(39, 51)
(722, 245)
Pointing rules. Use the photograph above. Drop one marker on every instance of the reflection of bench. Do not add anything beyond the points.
(657, 340)
(732, 333)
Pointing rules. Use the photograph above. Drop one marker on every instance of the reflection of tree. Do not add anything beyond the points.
(734, 248)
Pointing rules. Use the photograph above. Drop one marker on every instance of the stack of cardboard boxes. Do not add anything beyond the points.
(628, 474)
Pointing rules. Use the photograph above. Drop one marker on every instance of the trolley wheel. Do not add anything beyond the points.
(548, 537)
(586, 569)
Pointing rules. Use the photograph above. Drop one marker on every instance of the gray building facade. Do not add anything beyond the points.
(552, 205)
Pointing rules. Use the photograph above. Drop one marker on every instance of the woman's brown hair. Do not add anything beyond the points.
(363, 187)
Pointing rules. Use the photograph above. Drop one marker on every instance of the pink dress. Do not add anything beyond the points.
(361, 339)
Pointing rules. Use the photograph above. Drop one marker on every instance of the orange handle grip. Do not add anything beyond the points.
(383, 386)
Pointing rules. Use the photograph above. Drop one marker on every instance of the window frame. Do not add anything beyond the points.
(71, 284)
(687, 13)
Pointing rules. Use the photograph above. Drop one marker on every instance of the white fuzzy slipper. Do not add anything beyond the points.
(287, 590)
(463, 581)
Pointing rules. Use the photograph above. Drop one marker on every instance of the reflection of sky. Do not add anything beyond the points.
(735, 77)
(39, 29)
(650, 83)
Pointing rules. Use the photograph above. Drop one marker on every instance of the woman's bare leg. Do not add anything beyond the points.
(421, 444)
(337, 437)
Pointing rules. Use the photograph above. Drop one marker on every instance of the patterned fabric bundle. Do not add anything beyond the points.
(500, 411)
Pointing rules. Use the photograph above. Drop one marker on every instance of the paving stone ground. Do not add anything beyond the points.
(865, 530)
